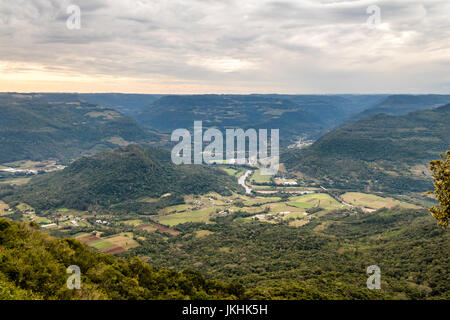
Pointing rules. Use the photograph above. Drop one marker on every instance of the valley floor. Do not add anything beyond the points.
(246, 238)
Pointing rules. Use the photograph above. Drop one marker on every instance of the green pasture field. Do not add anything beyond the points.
(202, 215)
(321, 200)
(373, 201)
(3, 208)
(257, 177)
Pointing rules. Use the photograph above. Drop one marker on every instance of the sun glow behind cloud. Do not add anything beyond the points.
(225, 46)
(222, 64)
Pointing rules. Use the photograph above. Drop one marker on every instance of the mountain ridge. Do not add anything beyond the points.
(377, 152)
(39, 127)
(124, 174)
(403, 104)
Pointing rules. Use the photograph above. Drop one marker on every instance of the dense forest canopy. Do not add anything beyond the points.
(33, 266)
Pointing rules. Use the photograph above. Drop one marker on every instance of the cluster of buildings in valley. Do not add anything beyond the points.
(33, 169)
(302, 142)
(286, 182)
(102, 222)
(24, 171)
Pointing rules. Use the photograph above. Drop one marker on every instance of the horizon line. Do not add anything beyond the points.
(236, 94)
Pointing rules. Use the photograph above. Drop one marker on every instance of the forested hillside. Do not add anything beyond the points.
(33, 266)
(381, 152)
(118, 175)
(326, 258)
(40, 127)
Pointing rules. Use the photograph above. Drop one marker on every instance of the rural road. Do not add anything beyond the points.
(242, 179)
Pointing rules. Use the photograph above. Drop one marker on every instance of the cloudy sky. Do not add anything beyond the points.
(226, 46)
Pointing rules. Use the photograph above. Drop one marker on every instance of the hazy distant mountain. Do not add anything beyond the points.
(378, 152)
(43, 126)
(402, 104)
(294, 115)
(128, 104)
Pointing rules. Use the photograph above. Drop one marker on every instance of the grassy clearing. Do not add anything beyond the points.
(3, 208)
(175, 209)
(209, 199)
(202, 233)
(422, 200)
(118, 141)
(230, 171)
(149, 200)
(421, 171)
(321, 200)
(246, 209)
(322, 226)
(257, 177)
(237, 197)
(234, 172)
(283, 207)
(299, 223)
(72, 212)
(201, 215)
(133, 223)
(147, 227)
(24, 207)
(23, 164)
(374, 202)
(41, 220)
(80, 235)
(84, 224)
(16, 181)
(261, 200)
(124, 240)
(101, 244)
(206, 198)
(299, 214)
(285, 188)
(199, 209)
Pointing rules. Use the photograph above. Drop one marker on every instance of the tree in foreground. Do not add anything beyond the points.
(441, 177)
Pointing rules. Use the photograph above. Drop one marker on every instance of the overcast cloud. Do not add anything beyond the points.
(179, 46)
